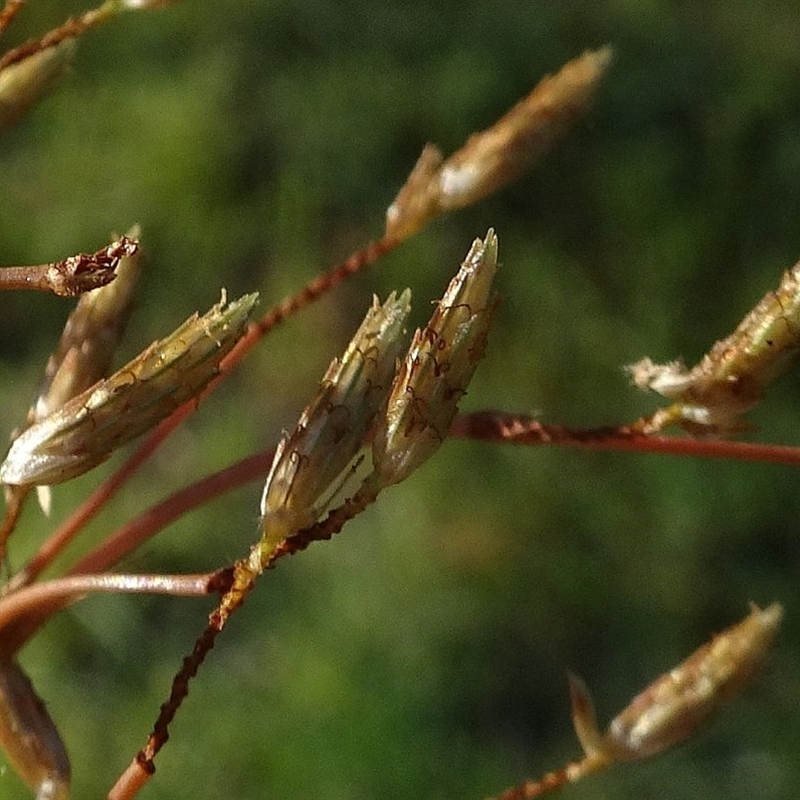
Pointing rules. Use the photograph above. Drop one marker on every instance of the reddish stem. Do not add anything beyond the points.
(312, 291)
(10, 10)
(497, 426)
(90, 507)
(132, 780)
(74, 26)
(58, 593)
(139, 530)
(553, 781)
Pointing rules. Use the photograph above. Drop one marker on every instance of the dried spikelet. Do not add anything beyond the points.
(24, 83)
(73, 276)
(674, 706)
(334, 427)
(732, 376)
(85, 431)
(500, 154)
(29, 737)
(90, 338)
(670, 710)
(437, 368)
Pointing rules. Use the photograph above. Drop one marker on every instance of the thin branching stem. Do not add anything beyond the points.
(143, 762)
(74, 26)
(61, 591)
(243, 580)
(90, 507)
(326, 528)
(143, 527)
(484, 425)
(311, 292)
(497, 426)
(555, 780)
(137, 531)
(19, 619)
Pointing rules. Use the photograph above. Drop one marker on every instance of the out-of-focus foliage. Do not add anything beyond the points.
(422, 654)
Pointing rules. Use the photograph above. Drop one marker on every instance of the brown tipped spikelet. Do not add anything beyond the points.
(500, 154)
(731, 378)
(437, 368)
(90, 337)
(71, 276)
(86, 430)
(334, 427)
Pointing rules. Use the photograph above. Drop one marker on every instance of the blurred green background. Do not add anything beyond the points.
(422, 654)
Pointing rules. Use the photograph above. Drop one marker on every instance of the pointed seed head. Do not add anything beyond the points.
(495, 157)
(85, 431)
(672, 708)
(437, 368)
(333, 428)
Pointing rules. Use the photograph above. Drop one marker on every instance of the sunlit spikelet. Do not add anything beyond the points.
(500, 154)
(672, 708)
(732, 376)
(334, 427)
(86, 430)
(437, 368)
(675, 705)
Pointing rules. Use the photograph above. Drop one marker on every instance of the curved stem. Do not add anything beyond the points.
(90, 507)
(61, 591)
(137, 531)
